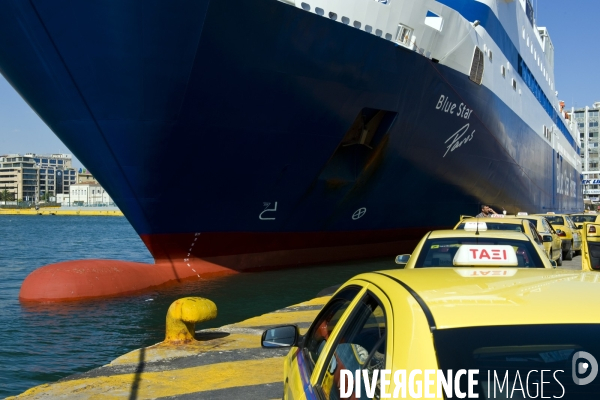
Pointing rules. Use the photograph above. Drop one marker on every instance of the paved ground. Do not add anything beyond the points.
(573, 264)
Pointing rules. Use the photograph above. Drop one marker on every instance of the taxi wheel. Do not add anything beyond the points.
(559, 260)
(568, 255)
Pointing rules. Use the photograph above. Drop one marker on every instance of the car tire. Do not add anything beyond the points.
(568, 255)
(559, 260)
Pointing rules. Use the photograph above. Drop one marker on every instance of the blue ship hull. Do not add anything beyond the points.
(224, 129)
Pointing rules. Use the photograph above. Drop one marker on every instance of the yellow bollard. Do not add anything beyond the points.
(183, 315)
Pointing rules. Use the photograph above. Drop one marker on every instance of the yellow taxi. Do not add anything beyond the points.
(568, 233)
(440, 248)
(590, 249)
(579, 219)
(462, 332)
(552, 242)
(508, 224)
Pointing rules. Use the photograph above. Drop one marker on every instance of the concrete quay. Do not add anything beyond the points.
(58, 211)
(222, 363)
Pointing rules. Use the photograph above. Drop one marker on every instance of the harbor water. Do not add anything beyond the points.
(42, 343)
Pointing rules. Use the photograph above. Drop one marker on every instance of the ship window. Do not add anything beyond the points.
(346, 20)
(357, 24)
(514, 84)
(403, 35)
(320, 11)
(368, 28)
(378, 32)
(477, 66)
(434, 21)
(490, 54)
(305, 6)
(333, 16)
(388, 36)
(503, 70)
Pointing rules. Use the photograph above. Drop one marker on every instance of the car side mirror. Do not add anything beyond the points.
(554, 264)
(281, 336)
(547, 238)
(402, 259)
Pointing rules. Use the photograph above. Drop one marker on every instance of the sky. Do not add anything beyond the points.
(572, 26)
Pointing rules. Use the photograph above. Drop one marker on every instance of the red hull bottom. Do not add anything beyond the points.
(86, 279)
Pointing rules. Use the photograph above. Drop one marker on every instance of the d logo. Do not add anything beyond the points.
(581, 367)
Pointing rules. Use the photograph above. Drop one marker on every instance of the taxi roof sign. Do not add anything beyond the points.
(475, 226)
(486, 255)
(522, 213)
(550, 213)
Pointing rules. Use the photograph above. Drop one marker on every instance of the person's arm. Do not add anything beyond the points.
(492, 211)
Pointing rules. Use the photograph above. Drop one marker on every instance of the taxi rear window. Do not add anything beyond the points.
(583, 218)
(521, 354)
(491, 226)
(441, 252)
(555, 220)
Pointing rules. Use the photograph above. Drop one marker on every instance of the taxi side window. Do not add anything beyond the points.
(360, 345)
(327, 319)
(536, 235)
(547, 226)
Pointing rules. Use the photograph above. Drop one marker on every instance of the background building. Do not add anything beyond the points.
(19, 177)
(89, 194)
(587, 120)
(47, 178)
(56, 174)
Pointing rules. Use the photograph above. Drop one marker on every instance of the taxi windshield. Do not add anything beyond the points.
(441, 252)
(583, 218)
(495, 226)
(525, 352)
(555, 220)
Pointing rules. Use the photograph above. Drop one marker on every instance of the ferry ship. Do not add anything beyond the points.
(238, 134)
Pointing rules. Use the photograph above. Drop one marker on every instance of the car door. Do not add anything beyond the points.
(590, 249)
(576, 234)
(304, 359)
(556, 240)
(363, 343)
(535, 236)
